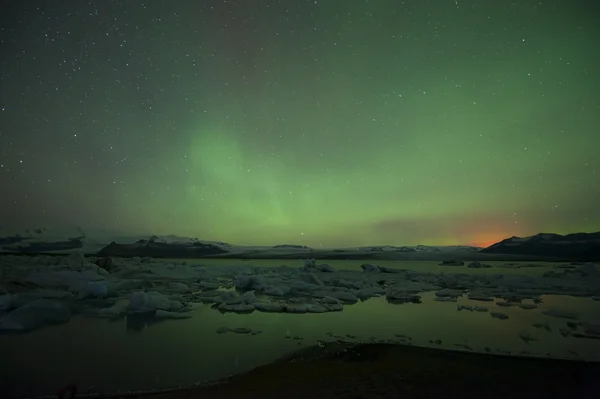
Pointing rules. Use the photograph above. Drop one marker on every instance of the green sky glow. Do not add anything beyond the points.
(320, 123)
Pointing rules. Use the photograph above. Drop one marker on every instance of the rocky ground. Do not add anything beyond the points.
(345, 370)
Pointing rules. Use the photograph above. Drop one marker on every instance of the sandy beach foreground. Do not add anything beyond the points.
(350, 370)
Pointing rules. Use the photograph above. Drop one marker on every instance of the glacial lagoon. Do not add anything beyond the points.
(138, 351)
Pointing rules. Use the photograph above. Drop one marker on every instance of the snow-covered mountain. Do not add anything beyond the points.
(419, 248)
(584, 246)
(73, 238)
(66, 239)
(117, 243)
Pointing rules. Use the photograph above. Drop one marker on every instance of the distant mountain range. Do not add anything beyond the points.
(584, 246)
(578, 246)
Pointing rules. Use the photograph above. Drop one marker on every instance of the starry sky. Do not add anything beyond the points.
(323, 123)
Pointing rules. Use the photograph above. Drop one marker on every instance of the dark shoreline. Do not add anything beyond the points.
(377, 370)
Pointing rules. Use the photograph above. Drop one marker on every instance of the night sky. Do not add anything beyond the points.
(324, 123)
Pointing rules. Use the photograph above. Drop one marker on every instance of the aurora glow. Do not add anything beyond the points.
(331, 123)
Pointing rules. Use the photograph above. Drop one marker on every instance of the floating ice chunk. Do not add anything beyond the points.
(506, 304)
(114, 311)
(149, 301)
(413, 287)
(343, 296)
(369, 268)
(268, 306)
(165, 314)
(24, 298)
(395, 296)
(309, 264)
(179, 287)
(250, 282)
(447, 292)
(62, 278)
(296, 308)
(369, 292)
(75, 259)
(564, 332)
(247, 297)
(171, 271)
(227, 296)
(451, 263)
(526, 336)
(592, 329)
(478, 265)
(237, 308)
(464, 346)
(279, 290)
(329, 300)
(5, 301)
(35, 314)
(333, 307)
(444, 299)
(325, 268)
(129, 284)
(527, 306)
(241, 330)
(383, 269)
(499, 315)
(316, 280)
(316, 308)
(560, 314)
(545, 326)
(344, 283)
(480, 297)
(96, 289)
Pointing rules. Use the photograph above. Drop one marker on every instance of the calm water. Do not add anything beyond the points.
(105, 355)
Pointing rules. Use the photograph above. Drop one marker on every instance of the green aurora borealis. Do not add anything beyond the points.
(323, 123)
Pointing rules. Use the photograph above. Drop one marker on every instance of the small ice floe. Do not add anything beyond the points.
(506, 304)
(238, 330)
(448, 293)
(36, 314)
(151, 301)
(527, 306)
(478, 265)
(499, 315)
(444, 299)
(452, 262)
(460, 307)
(474, 296)
(464, 346)
(526, 336)
(545, 326)
(562, 314)
(369, 268)
(396, 296)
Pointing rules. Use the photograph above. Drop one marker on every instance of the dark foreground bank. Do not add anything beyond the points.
(343, 370)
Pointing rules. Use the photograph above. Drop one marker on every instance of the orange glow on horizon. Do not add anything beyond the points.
(486, 241)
